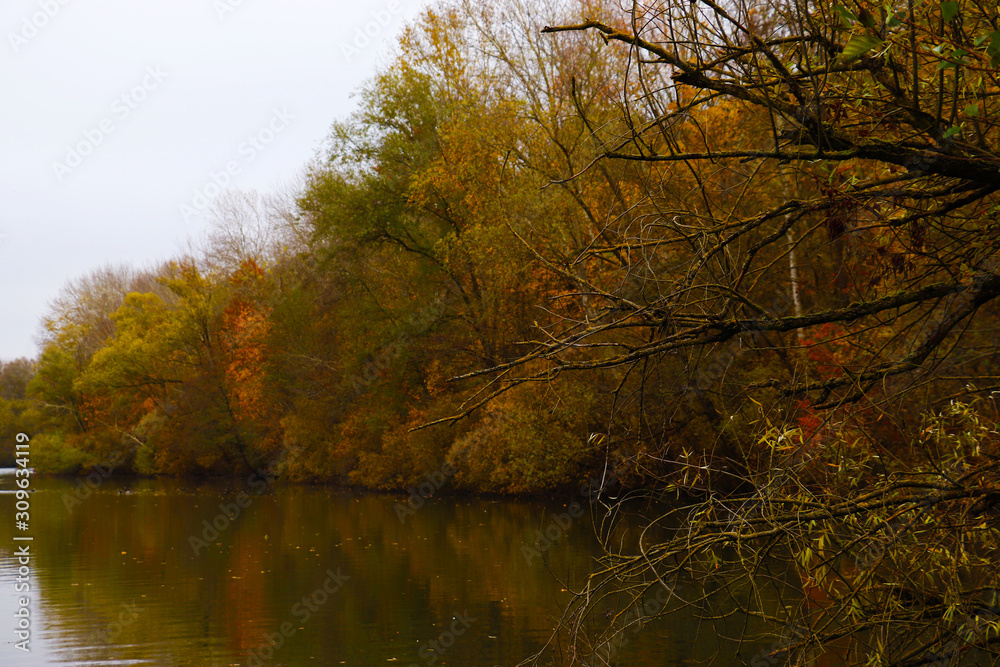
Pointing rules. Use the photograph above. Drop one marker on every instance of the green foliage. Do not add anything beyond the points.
(14, 378)
(53, 453)
(735, 260)
(15, 417)
(949, 10)
(52, 388)
(993, 48)
(858, 46)
(146, 334)
(403, 458)
(459, 221)
(528, 442)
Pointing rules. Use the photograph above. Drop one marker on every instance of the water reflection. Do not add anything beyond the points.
(163, 572)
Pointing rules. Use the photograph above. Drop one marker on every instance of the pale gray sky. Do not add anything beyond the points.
(119, 117)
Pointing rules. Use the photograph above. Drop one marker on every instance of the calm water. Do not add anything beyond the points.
(334, 577)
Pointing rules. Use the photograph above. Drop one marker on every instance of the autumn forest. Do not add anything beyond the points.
(738, 257)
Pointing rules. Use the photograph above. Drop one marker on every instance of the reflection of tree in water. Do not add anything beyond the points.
(406, 579)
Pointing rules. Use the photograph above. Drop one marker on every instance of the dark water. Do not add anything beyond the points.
(330, 577)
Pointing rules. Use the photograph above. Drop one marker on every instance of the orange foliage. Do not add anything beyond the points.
(246, 328)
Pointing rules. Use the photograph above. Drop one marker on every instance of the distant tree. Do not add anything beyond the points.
(251, 226)
(14, 378)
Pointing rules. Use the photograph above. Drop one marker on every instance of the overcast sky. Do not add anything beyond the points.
(120, 116)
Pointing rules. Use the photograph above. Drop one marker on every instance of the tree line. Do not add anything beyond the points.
(742, 255)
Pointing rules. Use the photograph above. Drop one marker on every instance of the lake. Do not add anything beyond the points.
(168, 572)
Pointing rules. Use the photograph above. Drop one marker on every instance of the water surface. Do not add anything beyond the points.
(132, 574)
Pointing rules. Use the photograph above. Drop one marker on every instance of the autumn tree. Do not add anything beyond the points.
(250, 226)
(423, 201)
(814, 247)
(179, 377)
(14, 378)
(887, 136)
(14, 408)
(162, 371)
